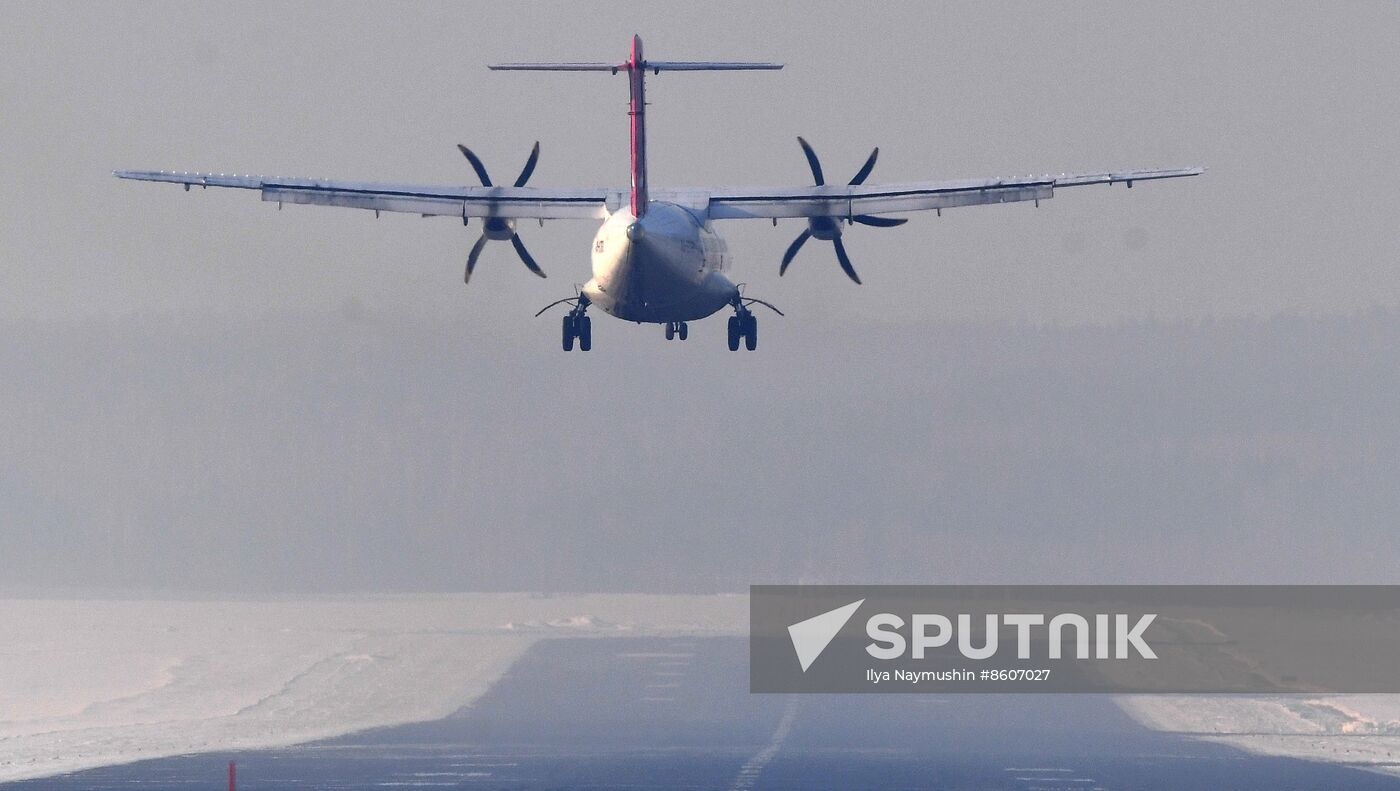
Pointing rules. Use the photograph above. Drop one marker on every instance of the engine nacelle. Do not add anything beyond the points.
(824, 228)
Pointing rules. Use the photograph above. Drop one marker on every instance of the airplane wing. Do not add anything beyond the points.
(508, 202)
(841, 200)
(832, 200)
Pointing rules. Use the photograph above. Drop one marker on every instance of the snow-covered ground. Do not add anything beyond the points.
(92, 683)
(1361, 730)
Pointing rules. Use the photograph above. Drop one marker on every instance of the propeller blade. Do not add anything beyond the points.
(845, 260)
(476, 165)
(792, 250)
(812, 161)
(879, 222)
(529, 165)
(865, 169)
(471, 259)
(525, 255)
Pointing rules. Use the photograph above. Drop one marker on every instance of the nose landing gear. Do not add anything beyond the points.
(677, 329)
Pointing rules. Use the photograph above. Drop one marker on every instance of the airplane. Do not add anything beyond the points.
(657, 257)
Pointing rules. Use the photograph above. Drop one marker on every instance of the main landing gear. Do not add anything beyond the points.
(577, 326)
(743, 325)
(676, 329)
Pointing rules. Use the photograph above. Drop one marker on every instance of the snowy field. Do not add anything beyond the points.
(1360, 730)
(93, 683)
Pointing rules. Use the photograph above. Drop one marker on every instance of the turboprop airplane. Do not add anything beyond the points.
(657, 257)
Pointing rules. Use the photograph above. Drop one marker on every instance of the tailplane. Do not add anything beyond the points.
(636, 67)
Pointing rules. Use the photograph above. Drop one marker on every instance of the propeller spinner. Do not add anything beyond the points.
(829, 228)
(500, 228)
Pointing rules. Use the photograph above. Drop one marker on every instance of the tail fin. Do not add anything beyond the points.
(636, 67)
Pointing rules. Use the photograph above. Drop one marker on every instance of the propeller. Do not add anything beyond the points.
(500, 228)
(829, 228)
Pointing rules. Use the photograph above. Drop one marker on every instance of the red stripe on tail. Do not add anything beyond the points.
(636, 77)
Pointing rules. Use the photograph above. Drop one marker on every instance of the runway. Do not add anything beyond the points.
(676, 713)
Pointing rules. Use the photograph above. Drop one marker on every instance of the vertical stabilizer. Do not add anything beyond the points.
(636, 68)
(637, 109)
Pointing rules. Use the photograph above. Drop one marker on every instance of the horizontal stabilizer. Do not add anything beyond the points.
(650, 65)
(700, 65)
(555, 67)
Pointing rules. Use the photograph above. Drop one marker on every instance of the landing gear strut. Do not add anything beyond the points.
(578, 327)
(676, 329)
(743, 325)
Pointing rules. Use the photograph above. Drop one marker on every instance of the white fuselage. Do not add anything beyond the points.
(667, 266)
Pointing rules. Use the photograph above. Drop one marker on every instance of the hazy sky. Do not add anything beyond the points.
(1293, 107)
(197, 390)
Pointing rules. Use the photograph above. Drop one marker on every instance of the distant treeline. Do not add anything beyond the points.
(346, 452)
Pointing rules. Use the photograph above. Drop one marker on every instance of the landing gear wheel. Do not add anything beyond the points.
(568, 332)
(750, 332)
(670, 330)
(682, 331)
(733, 333)
(585, 333)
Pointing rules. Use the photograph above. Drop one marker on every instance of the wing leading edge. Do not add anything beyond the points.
(832, 200)
(506, 202)
(835, 200)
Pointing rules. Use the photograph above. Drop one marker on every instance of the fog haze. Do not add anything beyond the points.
(363, 453)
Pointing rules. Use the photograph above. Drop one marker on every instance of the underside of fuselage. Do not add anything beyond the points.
(663, 267)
